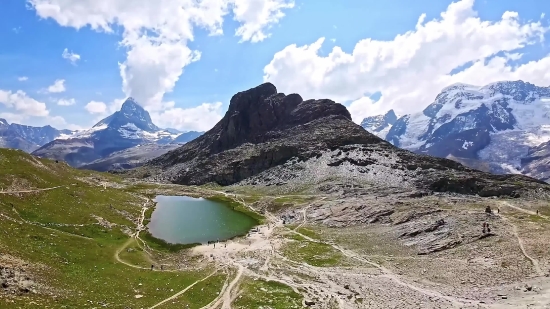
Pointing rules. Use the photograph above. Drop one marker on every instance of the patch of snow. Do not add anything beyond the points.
(130, 126)
(534, 114)
(89, 132)
(467, 144)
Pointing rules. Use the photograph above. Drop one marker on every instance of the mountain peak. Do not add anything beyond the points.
(378, 123)
(131, 113)
(3, 122)
(390, 116)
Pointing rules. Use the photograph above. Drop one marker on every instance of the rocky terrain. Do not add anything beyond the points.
(27, 138)
(106, 142)
(272, 139)
(499, 125)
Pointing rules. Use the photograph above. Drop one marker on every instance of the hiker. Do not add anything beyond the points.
(537, 212)
(152, 266)
(161, 267)
(488, 210)
(488, 228)
(484, 227)
(225, 245)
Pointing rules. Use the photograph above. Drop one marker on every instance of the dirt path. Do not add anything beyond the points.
(534, 262)
(183, 291)
(29, 191)
(530, 212)
(227, 294)
(263, 244)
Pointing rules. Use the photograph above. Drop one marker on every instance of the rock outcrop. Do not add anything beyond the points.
(272, 139)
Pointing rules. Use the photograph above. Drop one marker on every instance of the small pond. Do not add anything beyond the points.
(187, 220)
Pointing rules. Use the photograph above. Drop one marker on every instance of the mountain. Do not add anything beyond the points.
(187, 137)
(127, 128)
(380, 124)
(271, 139)
(27, 138)
(499, 125)
(129, 158)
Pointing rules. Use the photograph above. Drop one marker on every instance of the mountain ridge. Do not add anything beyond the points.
(271, 139)
(498, 123)
(129, 127)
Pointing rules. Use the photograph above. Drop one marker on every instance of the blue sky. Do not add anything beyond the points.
(32, 47)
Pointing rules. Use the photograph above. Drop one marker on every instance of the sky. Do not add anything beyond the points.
(70, 63)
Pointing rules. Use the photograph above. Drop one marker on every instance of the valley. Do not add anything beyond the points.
(342, 219)
(67, 247)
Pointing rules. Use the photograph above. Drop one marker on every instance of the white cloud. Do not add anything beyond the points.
(66, 102)
(94, 107)
(156, 33)
(255, 16)
(411, 69)
(23, 78)
(198, 118)
(22, 103)
(57, 87)
(72, 57)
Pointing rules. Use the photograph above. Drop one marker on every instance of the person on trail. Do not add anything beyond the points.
(488, 228)
(537, 212)
(484, 227)
(152, 266)
(161, 267)
(488, 209)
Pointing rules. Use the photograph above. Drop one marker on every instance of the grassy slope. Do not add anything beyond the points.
(78, 272)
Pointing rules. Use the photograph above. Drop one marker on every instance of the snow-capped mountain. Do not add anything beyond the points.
(27, 138)
(500, 124)
(127, 128)
(380, 124)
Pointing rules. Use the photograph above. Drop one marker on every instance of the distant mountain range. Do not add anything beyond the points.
(28, 138)
(502, 127)
(110, 141)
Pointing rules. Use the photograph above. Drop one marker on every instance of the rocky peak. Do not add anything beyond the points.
(255, 112)
(3, 123)
(378, 123)
(262, 129)
(130, 114)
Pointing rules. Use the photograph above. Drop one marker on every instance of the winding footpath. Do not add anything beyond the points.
(533, 261)
(29, 191)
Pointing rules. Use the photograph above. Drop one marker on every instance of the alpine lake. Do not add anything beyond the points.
(187, 220)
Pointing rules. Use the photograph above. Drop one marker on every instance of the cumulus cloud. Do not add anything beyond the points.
(410, 70)
(156, 33)
(57, 87)
(66, 102)
(255, 16)
(198, 118)
(70, 56)
(23, 78)
(94, 107)
(23, 104)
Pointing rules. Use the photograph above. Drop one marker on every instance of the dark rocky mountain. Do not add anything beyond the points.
(272, 139)
(27, 138)
(127, 128)
(498, 124)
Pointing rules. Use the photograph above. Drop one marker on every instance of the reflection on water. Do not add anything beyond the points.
(186, 220)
